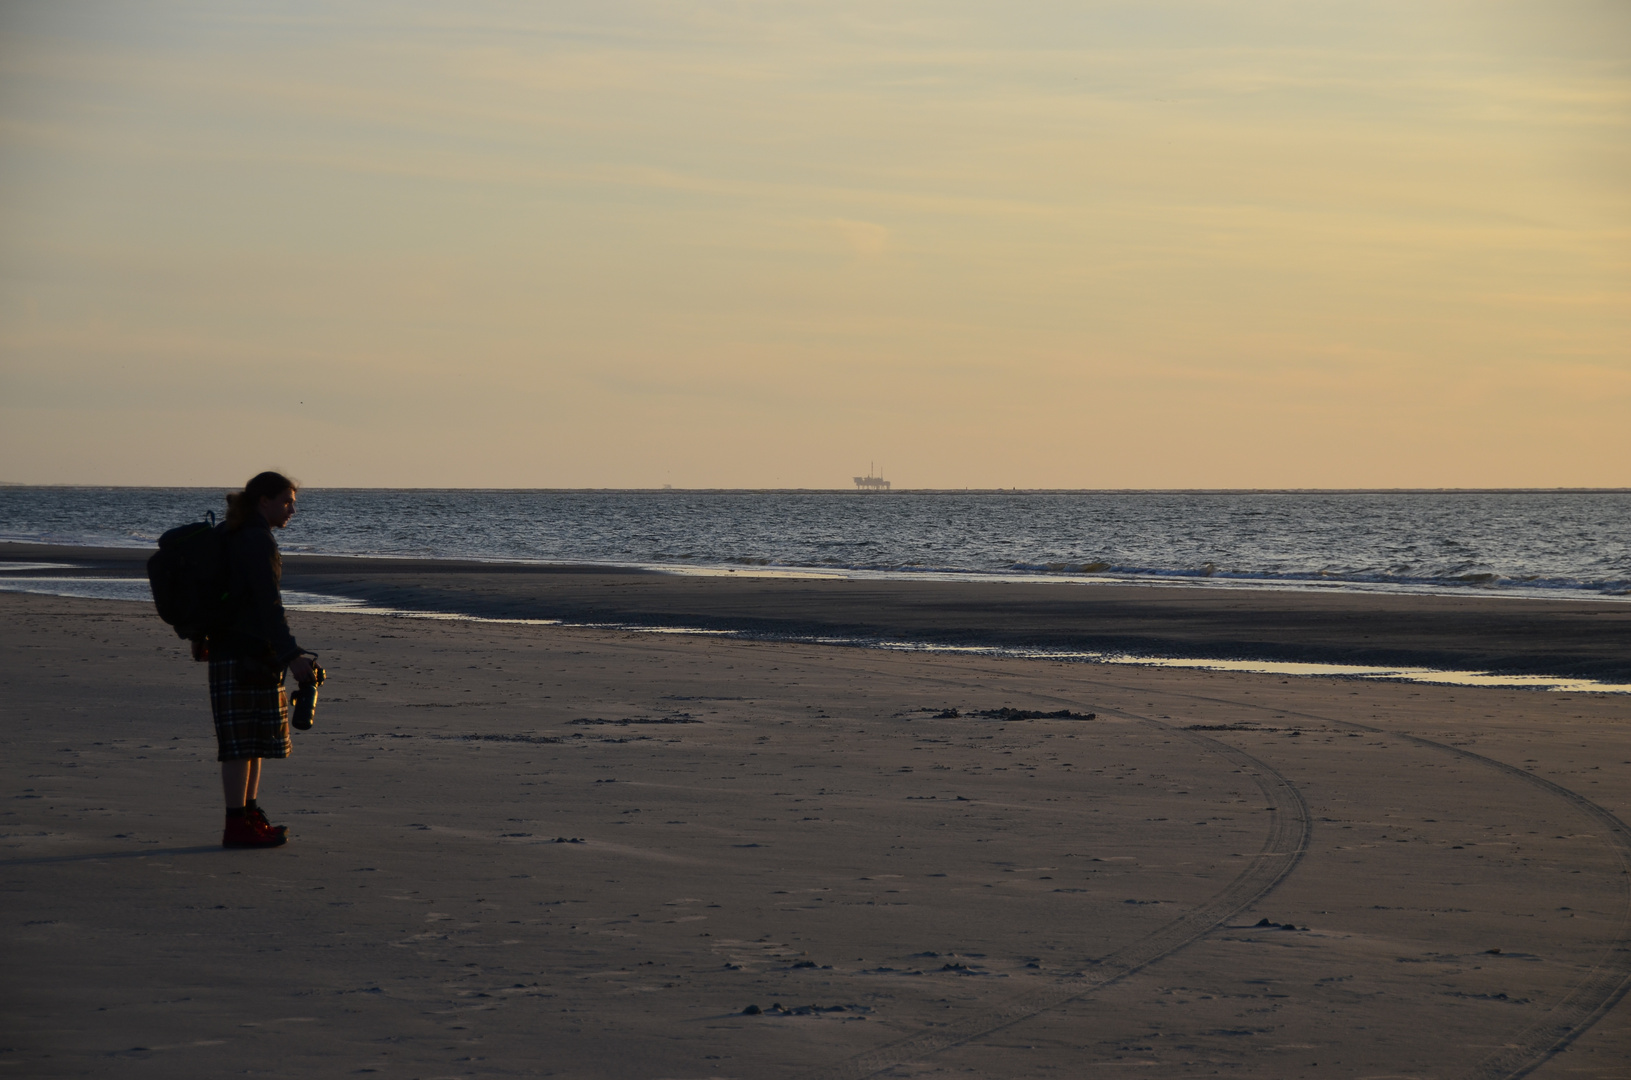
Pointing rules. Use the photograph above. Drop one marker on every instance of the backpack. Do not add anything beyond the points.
(188, 575)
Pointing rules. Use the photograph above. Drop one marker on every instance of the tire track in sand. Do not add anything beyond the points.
(1604, 986)
(1609, 979)
(1283, 848)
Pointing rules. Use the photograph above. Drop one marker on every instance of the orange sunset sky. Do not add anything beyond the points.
(1096, 245)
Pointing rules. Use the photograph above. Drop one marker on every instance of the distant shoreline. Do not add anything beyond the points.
(851, 490)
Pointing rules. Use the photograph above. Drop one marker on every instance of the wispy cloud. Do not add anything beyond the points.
(1018, 212)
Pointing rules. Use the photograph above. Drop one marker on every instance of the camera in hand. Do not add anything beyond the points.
(303, 708)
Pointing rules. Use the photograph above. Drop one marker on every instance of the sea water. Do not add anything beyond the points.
(1538, 544)
(1514, 543)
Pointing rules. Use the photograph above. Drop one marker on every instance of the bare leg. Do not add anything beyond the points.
(253, 788)
(235, 780)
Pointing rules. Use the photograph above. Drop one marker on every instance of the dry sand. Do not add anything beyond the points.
(1221, 874)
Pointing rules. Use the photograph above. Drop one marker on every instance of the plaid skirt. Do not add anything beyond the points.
(251, 710)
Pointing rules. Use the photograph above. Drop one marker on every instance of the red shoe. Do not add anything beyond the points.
(245, 832)
(258, 816)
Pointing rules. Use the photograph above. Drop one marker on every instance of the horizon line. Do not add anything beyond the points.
(666, 489)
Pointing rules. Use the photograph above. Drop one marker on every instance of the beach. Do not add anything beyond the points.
(1587, 638)
(1076, 542)
(546, 850)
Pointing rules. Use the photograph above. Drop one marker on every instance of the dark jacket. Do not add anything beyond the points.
(258, 629)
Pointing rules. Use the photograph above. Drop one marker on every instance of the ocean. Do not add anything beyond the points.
(1554, 544)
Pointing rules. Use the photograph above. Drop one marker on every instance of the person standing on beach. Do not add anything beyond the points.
(249, 657)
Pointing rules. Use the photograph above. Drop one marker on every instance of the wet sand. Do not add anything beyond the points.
(1583, 638)
(549, 851)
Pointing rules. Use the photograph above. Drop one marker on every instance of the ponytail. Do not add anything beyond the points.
(243, 505)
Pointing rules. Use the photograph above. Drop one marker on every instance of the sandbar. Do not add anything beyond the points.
(1587, 638)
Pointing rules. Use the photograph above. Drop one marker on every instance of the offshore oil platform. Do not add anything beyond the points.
(871, 482)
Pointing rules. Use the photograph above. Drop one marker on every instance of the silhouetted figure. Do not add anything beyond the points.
(249, 657)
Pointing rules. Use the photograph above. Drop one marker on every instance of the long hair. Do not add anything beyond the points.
(243, 505)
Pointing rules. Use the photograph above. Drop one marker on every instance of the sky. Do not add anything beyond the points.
(629, 243)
